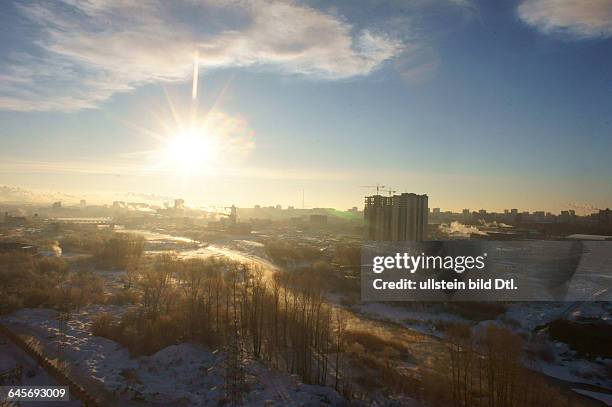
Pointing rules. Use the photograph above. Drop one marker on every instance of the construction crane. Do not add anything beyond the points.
(378, 187)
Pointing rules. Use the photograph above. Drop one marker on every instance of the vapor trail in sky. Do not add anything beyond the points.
(196, 66)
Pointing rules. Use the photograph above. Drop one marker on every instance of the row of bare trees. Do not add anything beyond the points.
(487, 368)
(34, 281)
(281, 319)
(120, 250)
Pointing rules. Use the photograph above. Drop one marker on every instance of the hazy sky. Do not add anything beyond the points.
(491, 104)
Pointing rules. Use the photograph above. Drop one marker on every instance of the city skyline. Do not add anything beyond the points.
(478, 105)
(41, 198)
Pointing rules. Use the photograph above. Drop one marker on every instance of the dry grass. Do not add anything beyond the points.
(373, 343)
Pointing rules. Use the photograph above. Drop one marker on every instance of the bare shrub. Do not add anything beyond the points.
(373, 343)
(123, 297)
(119, 250)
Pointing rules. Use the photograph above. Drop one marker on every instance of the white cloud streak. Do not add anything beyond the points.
(577, 19)
(89, 50)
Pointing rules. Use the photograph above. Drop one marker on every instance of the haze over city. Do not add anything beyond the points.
(477, 104)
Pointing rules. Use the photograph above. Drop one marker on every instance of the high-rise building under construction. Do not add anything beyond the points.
(396, 218)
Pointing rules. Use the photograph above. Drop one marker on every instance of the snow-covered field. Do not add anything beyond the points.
(184, 374)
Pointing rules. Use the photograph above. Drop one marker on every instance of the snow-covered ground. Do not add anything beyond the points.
(527, 316)
(603, 397)
(530, 315)
(183, 374)
(579, 371)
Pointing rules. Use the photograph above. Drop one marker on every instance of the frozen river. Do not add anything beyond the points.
(188, 248)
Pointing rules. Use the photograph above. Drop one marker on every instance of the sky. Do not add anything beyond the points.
(478, 104)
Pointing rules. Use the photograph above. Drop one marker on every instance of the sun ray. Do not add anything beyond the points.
(220, 97)
(175, 116)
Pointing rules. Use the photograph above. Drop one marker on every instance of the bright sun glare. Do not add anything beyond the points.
(191, 151)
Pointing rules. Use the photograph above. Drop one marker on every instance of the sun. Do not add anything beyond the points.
(208, 145)
(192, 151)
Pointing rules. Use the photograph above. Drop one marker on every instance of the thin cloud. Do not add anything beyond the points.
(578, 19)
(417, 66)
(86, 51)
(120, 167)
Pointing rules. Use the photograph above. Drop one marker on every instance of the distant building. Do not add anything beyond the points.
(179, 204)
(234, 227)
(318, 220)
(233, 216)
(604, 217)
(57, 204)
(396, 218)
(567, 216)
(83, 203)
